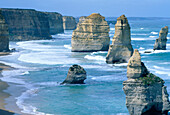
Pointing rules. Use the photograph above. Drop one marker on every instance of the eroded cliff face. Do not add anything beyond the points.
(121, 49)
(145, 92)
(26, 24)
(55, 22)
(69, 23)
(91, 35)
(4, 34)
(160, 43)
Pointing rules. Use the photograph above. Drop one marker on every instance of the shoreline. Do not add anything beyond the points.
(4, 95)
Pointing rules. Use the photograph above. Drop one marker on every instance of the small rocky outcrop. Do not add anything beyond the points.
(56, 22)
(145, 92)
(91, 35)
(69, 23)
(160, 43)
(121, 49)
(26, 24)
(4, 34)
(76, 75)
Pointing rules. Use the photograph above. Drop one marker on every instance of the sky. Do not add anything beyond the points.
(107, 8)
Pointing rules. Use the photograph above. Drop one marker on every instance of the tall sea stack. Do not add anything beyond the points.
(4, 34)
(145, 92)
(26, 24)
(69, 23)
(55, 22)
(121, 49)
(160, 43)
(91, 35)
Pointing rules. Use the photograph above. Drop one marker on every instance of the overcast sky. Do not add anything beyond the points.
(112, 8)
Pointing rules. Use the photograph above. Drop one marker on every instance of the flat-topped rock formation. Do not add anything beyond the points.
(91, 35)
(69, 23)
(145, 92)
(121, 49)
(55, 22)
(160, 43)
(26, 24)
(76, 75)
(4, 34)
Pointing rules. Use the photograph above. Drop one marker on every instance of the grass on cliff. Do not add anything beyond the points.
(150, 79)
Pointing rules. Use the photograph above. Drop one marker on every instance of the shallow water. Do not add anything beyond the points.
(42, 65)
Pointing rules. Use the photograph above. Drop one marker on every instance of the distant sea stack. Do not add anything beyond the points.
(26, 24)
(121, 49)
(91, 35)
(69, 23)
(4, 34)
(76, 75)
(55, 22)
(145, 92)
(160, 43)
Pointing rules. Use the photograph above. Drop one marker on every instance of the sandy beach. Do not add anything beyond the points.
(4, 95)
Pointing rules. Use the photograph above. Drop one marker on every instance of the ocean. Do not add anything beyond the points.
(41, 65)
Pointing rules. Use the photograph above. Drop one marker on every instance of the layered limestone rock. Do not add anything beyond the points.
(76, 75)
(69, 23)
(145, 92)
(91, 35)
(4, 34)
(121, 49)
(55, 22)
(82, 19)
(26, 24)
(160, 43)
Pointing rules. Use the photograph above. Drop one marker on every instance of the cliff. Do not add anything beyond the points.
(26, 24)
(4, 34)
(69, 23)
(91, 35)
(145, 92)
(121, 49)
(160, 43)
(55, 22)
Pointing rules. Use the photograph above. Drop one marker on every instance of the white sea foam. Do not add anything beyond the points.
(152, 36)
(49, 58)
(139, 34)
(99, 52)
(109, 78)
(143, 38)
(141, 28)
(154, 33)
(26, 108)
(121, 64)
(67, 46)
(112, 28)
(95, 57)
(141, 48)
(48, 83)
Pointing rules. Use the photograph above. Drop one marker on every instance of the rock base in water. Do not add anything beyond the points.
(145, 92)
(160, 43)
(121, 49)
(76, 75)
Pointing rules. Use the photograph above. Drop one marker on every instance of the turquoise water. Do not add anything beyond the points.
(42, 65)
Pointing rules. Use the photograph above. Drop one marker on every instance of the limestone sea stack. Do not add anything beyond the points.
(145, 92)
(82, 19)
(4, 34)
(121, 49)
(160, 43)
(76, 75)
(26, 24)
(91, 35)
(55, 22)
(69, 23)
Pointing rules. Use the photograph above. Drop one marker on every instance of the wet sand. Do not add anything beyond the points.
(4, 95)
